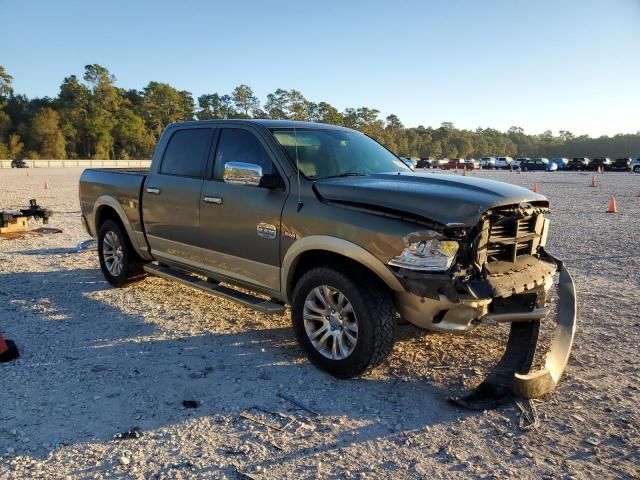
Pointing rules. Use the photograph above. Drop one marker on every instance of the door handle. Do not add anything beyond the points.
(216, 200)
(154, 190)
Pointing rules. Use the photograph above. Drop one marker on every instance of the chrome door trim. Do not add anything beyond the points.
(214, 200)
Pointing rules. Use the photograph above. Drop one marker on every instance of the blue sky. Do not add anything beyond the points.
(544, 64)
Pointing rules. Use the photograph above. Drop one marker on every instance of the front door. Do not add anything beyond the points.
(171, 197)
(240, 224)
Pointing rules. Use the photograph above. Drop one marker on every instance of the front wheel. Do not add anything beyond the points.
(118, 260)
(344, 328)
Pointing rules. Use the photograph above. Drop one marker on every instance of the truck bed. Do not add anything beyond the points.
(116, 188)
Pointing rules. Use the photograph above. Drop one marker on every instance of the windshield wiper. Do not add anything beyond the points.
(347, 174)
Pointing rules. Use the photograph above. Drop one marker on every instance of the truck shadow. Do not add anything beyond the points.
(90, 370)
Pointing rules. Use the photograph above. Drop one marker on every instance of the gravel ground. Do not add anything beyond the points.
(97, 361)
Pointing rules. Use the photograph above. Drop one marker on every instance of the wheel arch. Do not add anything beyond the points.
(108, 208)
(322, 250)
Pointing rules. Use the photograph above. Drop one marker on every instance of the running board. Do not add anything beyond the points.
(257, 303)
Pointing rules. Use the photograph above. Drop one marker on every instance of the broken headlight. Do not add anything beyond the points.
(426, 251)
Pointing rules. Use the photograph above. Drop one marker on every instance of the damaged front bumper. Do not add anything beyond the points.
(538, 383)
(517, 297)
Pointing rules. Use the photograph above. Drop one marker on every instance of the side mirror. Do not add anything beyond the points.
(272, 181)
(240, 173)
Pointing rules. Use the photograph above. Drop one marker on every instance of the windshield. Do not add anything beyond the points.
(324, 153)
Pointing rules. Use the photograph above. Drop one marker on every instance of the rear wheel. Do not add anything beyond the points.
(344, 328)
(118, 260)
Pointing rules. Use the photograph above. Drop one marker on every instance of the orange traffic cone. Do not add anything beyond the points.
(612, 206)
(593, 180)
(8, 350)
(535, 188)
(46, 186)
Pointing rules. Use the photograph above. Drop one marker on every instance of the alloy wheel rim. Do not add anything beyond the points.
(330, 322)
(112, 253)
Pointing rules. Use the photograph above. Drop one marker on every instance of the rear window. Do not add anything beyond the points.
(186, 154)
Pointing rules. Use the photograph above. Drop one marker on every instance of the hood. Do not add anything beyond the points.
(445, 199)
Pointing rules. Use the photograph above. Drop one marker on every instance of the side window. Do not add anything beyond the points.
(186, 153)
(239, 145)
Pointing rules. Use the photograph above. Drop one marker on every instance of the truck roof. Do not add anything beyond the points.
(266, 123)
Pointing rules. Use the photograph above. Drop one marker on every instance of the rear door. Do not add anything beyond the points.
(171, 196)
(240, 224)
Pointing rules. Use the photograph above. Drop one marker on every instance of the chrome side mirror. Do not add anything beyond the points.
(240, 173)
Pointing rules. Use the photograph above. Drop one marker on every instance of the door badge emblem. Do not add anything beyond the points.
(266, 230)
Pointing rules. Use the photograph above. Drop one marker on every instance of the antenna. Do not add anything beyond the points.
(295, 136)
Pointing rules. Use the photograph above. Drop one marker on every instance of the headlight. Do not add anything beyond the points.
(424, 252)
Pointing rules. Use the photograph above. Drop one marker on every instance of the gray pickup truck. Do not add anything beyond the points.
(327, 220)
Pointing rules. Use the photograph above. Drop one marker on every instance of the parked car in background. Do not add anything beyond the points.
(518, 161)
(533, 164)
(488, 162)
(425, 162)
(605, 163)
(454, 163)
(472, 164)
(621, 165)
(19, 164)
(579, 164)
(635, 165)
(503, 162)
(561, 162)
(552, 167)
(440, 163)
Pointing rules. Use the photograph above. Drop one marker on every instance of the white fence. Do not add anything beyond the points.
(80, 163)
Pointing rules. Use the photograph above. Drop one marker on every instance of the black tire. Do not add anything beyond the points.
(636, 169)
(374, 313)
(131, 262)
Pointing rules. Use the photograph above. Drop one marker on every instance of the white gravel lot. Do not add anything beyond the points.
(97, 361)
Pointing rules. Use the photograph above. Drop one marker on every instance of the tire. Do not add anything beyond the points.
(636, 169)
(114, 248)
(372, 311)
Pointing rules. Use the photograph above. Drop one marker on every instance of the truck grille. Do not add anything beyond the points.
(509, 238)
(505, 235)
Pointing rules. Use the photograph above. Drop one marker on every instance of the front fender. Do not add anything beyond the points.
(334, 245)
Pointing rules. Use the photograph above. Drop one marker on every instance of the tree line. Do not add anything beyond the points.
(94, 118)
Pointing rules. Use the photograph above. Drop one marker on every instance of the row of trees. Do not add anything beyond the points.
(94, 118)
